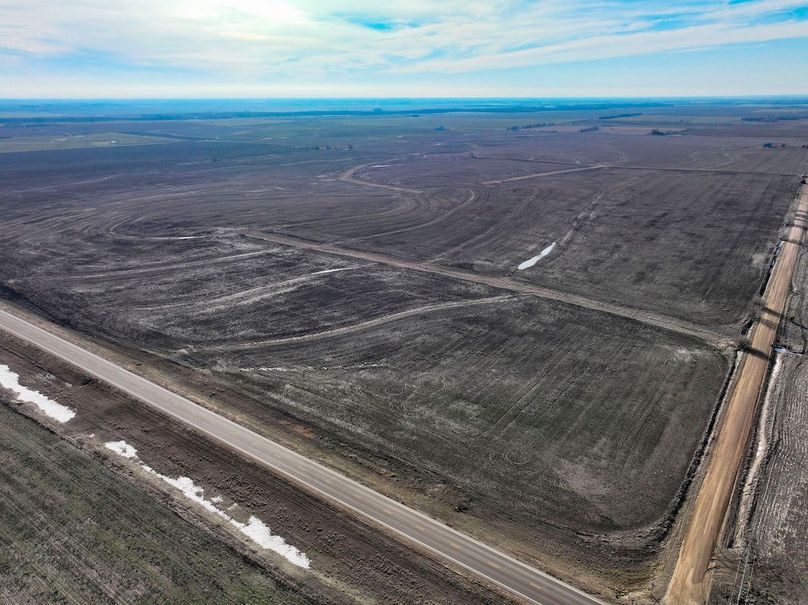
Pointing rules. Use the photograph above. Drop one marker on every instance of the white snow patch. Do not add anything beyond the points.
(121, 448)
(57, 411)
(254, 528)
(532, 261)
(324, 271)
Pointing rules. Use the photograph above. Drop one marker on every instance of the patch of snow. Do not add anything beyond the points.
(254, 528)
(260, 534)
(532, 261)
(323, 272)
(57, 411)
(121, 448)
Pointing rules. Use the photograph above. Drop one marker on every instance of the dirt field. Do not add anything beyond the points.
(763, 559)
(701, 255)
(566, 433)
(72, 531)
(690, 582)
(349, 562)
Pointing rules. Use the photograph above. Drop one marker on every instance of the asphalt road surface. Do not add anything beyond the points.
(521, 580)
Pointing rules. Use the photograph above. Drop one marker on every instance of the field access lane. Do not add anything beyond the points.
(658, 320)
(519, 579)
(690, 581)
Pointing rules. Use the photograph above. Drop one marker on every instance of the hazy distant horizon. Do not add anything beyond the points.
(85, 110)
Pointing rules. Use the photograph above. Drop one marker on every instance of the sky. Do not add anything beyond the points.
(401, 48)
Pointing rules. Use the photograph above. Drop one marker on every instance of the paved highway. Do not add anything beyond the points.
(521, 580)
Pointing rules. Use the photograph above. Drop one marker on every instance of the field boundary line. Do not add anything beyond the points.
(659, 320)
(357, 327)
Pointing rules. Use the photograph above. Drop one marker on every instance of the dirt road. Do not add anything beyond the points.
(535, 175)
(357, 327)
(504, 283)
(690, 581)
(348, 177)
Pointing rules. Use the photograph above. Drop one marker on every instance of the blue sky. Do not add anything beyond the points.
(405, 48)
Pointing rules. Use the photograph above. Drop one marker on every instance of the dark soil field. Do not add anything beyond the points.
(414, 353)
(681, 243)
(75, 530)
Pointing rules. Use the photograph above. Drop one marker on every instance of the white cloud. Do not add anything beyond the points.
(309, 41)
(621, 45)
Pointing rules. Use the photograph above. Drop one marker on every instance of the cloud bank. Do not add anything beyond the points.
(311, 43)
